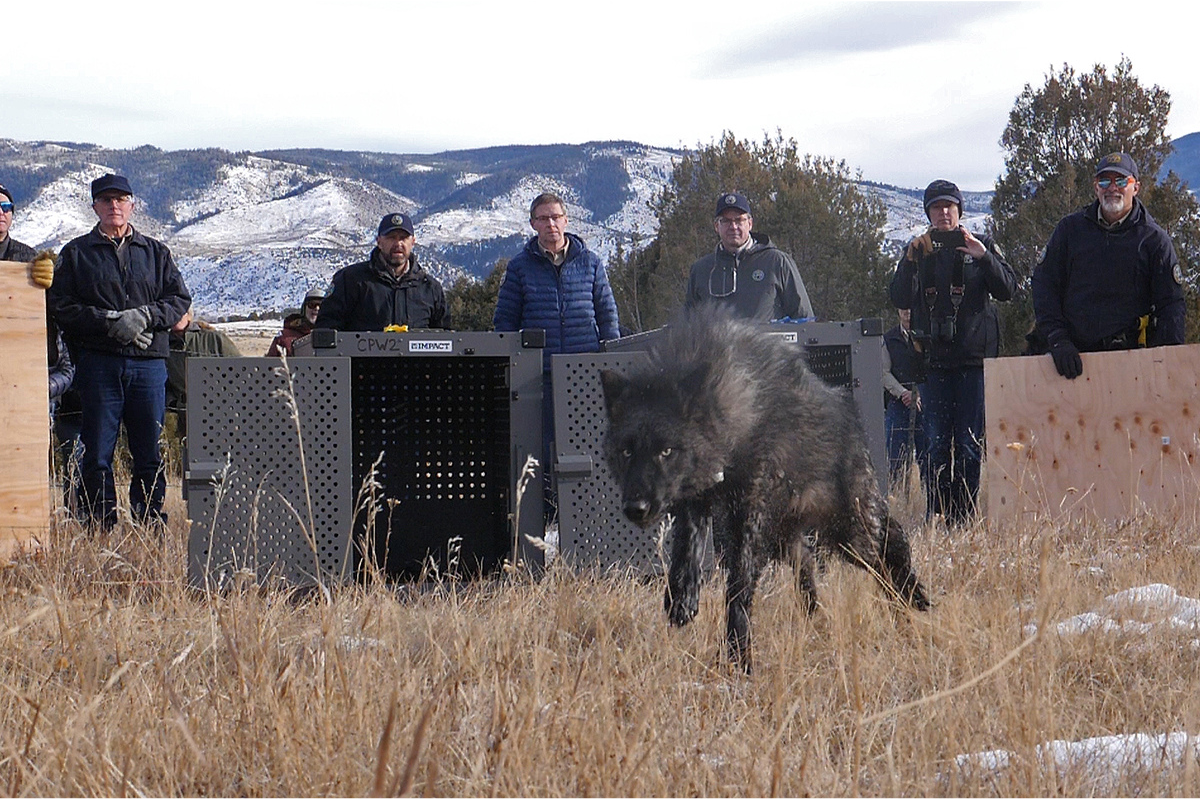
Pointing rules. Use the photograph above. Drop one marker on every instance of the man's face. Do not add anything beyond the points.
(1115, 201)
(312, 308)
(114, 210)
(395, 247)
(550, 222)
(733, 226)
(905, 315)
(943, 215)
(5, 216)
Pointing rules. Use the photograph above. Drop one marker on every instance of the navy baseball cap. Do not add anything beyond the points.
(394, 222)
(1119, 163)
(110, 183)
(732, 200)
(943, 190)
(7, 194)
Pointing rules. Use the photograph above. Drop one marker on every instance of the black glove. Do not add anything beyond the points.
(124, 326)
(1066, 358)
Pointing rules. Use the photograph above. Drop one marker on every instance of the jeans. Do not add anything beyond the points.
(953, 410)
(116, 389)
(899, 422)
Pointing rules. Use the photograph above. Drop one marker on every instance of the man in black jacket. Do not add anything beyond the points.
(948, 277)
(1108, 278)
(389, 288)
(116, 295)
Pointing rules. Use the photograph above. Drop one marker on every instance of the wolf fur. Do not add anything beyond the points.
(726, 424)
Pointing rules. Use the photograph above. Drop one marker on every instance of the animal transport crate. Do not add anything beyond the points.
(398, 450)
(593, 531)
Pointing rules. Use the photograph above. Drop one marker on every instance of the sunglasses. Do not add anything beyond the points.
(1121, 182)
(6, 207)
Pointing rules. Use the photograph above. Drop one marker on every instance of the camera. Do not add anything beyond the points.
(952, 239)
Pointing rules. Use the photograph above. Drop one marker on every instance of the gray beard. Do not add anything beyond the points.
(1114, 207)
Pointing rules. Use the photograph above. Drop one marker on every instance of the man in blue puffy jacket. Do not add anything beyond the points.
(555, 283)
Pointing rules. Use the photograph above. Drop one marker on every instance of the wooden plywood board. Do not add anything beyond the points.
(24, 413)
(1120, 439)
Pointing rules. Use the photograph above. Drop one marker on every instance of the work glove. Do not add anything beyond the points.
(41, 271)
(919, 247)
(124, 326)
(1066, 358)
(143, 340)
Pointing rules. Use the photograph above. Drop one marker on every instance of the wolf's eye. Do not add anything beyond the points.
(666, 453)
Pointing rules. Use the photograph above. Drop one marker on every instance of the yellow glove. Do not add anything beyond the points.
(919, 247)
(396, 329)
(41, 271)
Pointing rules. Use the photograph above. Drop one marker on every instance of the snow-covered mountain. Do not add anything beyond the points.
(254, 232)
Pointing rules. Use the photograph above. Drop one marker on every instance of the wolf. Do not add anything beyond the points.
(724, 424)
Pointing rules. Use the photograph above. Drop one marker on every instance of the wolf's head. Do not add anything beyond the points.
(668, 438)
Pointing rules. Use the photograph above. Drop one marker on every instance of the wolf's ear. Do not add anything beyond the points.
(615, 385)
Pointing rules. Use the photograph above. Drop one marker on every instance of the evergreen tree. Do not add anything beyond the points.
(472, 303)
(1055, 136)
(810, 207)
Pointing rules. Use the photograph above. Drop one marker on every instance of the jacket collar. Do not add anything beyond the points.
(1134, 217)
(574, 247)
(95, 237)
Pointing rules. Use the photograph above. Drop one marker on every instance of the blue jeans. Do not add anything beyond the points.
(116, 389)
(899, 421)
(953, 409)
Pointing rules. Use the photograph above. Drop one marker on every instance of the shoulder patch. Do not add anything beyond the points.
(1177, 274)
(997, 250)
(1041, 255)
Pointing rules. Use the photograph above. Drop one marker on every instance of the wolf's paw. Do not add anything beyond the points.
(681, 607)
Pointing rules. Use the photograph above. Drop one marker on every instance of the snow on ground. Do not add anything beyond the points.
(257, 180)
(1102, 762)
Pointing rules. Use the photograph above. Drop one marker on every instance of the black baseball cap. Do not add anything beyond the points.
(1121, 163)
(110, 183)
(7, 194)
(732, 200)
(396, 221)
(943, 190)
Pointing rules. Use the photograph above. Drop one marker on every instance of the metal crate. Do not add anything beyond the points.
(427, 432)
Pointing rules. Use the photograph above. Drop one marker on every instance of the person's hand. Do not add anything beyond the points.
(919, 247)
(124, 326)
(41, 271)
(143, 340)
(906, 397)
(974, 248)
(1066, 358)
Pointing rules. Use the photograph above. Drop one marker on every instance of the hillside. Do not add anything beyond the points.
(254, 231)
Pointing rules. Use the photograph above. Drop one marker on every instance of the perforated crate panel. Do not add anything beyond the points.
(593, 532)
(245, 482)
(435, 434)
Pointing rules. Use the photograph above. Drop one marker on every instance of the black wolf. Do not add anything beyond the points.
(726, 423)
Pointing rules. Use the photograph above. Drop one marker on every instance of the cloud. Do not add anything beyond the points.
(853, 29)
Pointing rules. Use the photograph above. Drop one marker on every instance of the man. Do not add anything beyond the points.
(298, 324)
(116, 295)
(41, 272)
(1108, 278)
(948, 277)
(903, 374)
(555, 283)
(746, 272)
(389, 288)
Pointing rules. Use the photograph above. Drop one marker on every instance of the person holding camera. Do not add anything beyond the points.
(948, 277)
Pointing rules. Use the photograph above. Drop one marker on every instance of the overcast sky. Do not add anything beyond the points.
(904, 91)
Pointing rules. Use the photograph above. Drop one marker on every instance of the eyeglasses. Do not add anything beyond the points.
(544, 218)
(727, 222)
(6, 207)
(119, 199)
(1121, 182)
(313, 304)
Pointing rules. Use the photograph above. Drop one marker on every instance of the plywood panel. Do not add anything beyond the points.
(1120, 439)
(24, 413)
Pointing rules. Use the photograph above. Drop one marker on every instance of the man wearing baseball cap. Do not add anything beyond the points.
(746, 272)
(948, 277)
(41, 271)
(116, 295)
(389, 288)
(1109, 278)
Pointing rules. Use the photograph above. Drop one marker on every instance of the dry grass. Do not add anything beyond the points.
(119, 680)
